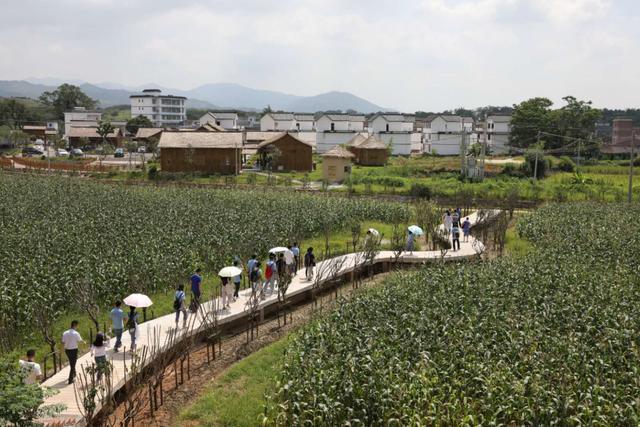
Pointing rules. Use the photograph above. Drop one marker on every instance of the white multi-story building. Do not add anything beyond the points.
(225, 119)
(396, 131)
(498, 134)
(336, 129)
(162, 110)
(80, 117)
(287, 122)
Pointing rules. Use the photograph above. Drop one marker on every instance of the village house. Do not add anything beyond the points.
(396, 131)
(42, 132)
(143, 135)
(277, 122)
(336, 129)
(336, 164)
(284, 152)
(224, 119)
(80, 117)
(369, 151)
(82, 136)
(204, 152)
(498, 134)
(622, 132)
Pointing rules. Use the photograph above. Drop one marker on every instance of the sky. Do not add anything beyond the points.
(426, 55)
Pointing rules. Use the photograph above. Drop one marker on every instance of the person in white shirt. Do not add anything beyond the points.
(30, 370)
(99, 352)
(71, 338)
(290, 259)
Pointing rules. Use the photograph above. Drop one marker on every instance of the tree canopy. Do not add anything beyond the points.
(577, 119)
(135, 123)
(65, 98)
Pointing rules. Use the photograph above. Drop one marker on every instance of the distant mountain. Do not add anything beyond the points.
(214, 95)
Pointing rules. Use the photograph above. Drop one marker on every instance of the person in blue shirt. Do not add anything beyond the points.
(196, 280)
(252, 262)
(296, 255)
(410, 239)
(236, 282)
(117, 324)
(466, 229)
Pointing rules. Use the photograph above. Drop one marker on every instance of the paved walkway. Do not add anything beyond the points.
(325, 270)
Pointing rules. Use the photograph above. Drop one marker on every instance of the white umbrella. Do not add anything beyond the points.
(416, 230)
(138, 300)
(232, 271)
(374, 232)
(278, 249)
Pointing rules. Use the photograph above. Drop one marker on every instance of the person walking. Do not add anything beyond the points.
(236, 282)
(252, 262)
(196, 281)
(71, 338)
(30, 370)
(117, 324)
(281, 266)
(132, 326)
(466, 229)
(289, 260)
(447, 220)
(99, 352)
(455, 235)
(295, 249)
(455, 216)
(309, 263)
(410, 241)
(270, 274)
(180, 307)
(225, 292)
(255, 276)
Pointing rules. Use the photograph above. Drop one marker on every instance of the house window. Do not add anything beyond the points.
(489, 137)
(333, 126)
(387, 127)
(298, 126)
(218, 122)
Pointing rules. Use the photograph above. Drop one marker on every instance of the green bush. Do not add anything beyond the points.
(565, 164)
(421, 190)
(152, 173)
(19, 403)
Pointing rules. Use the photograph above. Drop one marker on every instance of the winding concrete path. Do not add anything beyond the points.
(327, 270)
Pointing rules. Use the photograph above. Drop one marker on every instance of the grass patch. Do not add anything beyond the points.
(236, 397)
(516, 246)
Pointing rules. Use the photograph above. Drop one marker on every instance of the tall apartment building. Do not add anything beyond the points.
(162, 110)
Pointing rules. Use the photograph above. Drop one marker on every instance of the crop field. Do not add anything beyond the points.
(547, 337)
(64, 241)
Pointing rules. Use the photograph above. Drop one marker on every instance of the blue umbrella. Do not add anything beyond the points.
(414, 229)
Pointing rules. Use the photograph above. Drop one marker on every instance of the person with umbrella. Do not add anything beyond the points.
(132, 326)
(410, 238)
(133, 301)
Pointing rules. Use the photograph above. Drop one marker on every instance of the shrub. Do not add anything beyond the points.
(566, 164)
(153, 172)
(421, 190)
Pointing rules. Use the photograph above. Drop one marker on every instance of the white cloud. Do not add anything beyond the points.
(564, 11)
(430, 54)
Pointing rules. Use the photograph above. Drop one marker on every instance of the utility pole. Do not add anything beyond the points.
(631, 159)
(483, 147)
(535, 168)
(463, 152)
